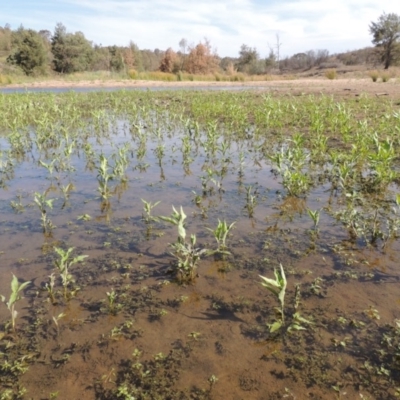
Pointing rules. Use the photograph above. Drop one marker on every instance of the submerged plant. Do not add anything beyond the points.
(220, 234)
(63, 264)
(177, 218)
(16, 288)
(278, 287)
(147, 208)
(188, 256)
(186, 253)
(104, 177)
(44, 204)
(314, 215)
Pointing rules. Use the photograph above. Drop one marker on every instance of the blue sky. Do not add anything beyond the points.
(302, 25)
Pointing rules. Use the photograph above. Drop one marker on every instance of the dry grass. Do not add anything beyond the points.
(331, 73)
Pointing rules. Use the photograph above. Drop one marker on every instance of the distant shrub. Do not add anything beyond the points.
(5, 79)
(133, 74)
(331, 73)
(385, 77)
(238, 77)
(374, 75)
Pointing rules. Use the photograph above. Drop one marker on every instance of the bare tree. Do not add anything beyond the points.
(183, 44)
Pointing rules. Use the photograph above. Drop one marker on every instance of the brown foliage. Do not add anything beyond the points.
(168, 61)
(129, 58)
(201, 60)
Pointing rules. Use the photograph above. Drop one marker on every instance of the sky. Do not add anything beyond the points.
(300, 25)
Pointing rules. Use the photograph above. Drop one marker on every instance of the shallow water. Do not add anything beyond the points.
(215, 327)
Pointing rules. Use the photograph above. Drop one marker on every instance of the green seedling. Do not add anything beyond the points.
(16, 288)
(220, 234)
(44, 204)
(251, 201)
(104, 177)
(17, 206)
(188, 256)
(212, 380)
(178, 219)
(196, 198)
(277, 286)
(84, 217)
(147, 208)
(113, 306)
(50, 288)
(56, 319)
(49, 166)
(63, 264)
(314, 215)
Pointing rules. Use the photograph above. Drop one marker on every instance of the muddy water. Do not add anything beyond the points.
(208, 339)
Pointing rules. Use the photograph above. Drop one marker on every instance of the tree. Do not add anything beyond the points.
(72, 52)
(183, 44)
(249, 61)
(270, 61)
(247, 57)
(137, 56)
(116, 59)
(201, 60)
(168, 62)
(29, 52)
(386, 33)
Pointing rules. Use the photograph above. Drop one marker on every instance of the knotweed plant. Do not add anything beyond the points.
(16, 288)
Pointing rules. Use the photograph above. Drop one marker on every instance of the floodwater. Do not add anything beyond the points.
(205, 339)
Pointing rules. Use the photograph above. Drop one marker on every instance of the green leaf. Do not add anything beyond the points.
(23, 285)
(269, 282)
(14, 284)
(275, 326)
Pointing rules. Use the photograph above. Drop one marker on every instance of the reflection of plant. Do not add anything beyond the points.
(64, 263)
(14, 297)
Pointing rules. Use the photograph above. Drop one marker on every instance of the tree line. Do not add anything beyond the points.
(42, 52)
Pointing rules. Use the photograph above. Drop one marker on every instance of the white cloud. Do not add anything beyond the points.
(301, 24)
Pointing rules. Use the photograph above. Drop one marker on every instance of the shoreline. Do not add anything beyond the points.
(343, 86)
